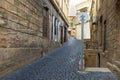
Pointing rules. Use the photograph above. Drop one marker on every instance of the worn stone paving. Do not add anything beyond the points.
(60, 64)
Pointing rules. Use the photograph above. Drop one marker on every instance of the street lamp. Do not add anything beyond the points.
(82, 18)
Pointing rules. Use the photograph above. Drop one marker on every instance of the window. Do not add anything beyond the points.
(55, 22)
(52, 30)
(101, 32)
(104, 45)
(45, 21)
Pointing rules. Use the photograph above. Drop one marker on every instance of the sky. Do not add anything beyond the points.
(72, 11)
(76, 1)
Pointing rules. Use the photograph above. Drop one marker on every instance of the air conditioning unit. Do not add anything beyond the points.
(94, 21)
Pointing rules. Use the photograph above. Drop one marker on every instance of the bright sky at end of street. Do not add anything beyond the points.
(76, 1)
(72, 10)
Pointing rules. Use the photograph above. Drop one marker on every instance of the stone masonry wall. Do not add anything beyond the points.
(111, 13)
(21, 40)
(21, 23)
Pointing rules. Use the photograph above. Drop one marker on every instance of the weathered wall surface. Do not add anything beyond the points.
(20, 24)
(21, 34)
(110, 17)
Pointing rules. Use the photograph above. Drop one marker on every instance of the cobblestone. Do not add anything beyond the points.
(60, 64)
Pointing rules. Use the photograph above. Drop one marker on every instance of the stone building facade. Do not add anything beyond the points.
(109, 34)
(72, 27)
(92, 58)
(29, 29)
(93, 23)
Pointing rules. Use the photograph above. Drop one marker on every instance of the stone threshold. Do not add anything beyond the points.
(96, 74)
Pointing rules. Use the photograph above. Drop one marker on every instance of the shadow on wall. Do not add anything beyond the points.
(11, 59)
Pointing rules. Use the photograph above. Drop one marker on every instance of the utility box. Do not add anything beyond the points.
(91, 58)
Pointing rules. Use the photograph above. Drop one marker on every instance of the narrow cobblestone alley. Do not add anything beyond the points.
(59, 39)
(60, 64)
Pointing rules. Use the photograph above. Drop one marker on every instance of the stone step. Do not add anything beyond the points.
(96, 74)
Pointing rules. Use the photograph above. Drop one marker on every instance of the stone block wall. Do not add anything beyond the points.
(20, 23)
(110, 12)
(21, 34)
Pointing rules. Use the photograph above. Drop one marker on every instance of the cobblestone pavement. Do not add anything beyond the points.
(60, 64)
